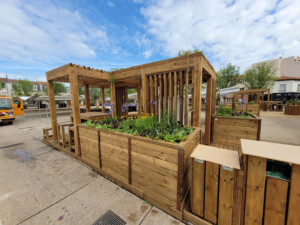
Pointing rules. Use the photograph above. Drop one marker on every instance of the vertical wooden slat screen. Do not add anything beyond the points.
(144, 89)
(208, 106)
(139, 97)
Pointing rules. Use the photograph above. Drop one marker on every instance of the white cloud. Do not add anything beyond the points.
(40, 32)
(110, 4)
(240, 32)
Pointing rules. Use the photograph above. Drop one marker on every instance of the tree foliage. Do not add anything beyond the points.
(2, 84)
(228, 76)
(23, 87)
(59, 88)
(94, 93)
(260, 76)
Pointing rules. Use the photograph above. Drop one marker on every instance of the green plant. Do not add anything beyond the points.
(146, 126)
(252, 102)
(228, 76)
(111, 79)
(228, 112)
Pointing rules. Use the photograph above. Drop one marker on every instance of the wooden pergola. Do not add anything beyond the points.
(162, 87)
(253, 92)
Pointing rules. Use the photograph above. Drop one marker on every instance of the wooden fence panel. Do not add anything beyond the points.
(198, 176)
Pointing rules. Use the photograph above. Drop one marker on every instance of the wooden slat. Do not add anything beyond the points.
(255, 191)
(208, 111)
(87, 98)
(181, 96)
(171, 90)
(226, 197)
(144, 89)
(294, 198)
(175, 95)
(155, 94)
(151, 80)
(211, 191)
(139, 98)
(103, 99)
(186, 99)
(165, 93)
(161, 94)
(197, 198)
(276, 200)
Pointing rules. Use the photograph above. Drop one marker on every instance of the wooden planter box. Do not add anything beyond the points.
(252, 108)
(228, 131)
(157, 171)
(292, 109)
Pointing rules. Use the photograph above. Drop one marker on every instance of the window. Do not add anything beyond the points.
(298, 90)
(282, 88)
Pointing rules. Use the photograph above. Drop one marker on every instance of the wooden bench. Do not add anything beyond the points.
(71, 139)
(46, 133)
(62, 140)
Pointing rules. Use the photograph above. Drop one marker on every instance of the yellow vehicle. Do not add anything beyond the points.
(18, 106)
(6, 110)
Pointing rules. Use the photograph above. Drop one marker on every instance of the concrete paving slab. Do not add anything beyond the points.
(156, 216)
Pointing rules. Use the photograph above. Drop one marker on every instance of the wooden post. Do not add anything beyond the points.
(139, 99)
(293, 216)
(144, 89)
(171, 89)
(87, 98)
(75, 106)
(208, 110)
(197, 76)
(213, 102)
(103, 99)
(113, 98)
(52, 109)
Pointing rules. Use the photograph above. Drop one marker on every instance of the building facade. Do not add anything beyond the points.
(289, 66)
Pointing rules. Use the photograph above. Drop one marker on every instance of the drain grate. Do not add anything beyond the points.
(110, 218)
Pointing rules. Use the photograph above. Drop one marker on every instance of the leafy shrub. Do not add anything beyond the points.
(146, 126)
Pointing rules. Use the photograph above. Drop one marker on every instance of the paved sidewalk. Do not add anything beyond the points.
(40, 185)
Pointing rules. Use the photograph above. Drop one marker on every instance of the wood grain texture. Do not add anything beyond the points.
(226, 197)
(294, 198)
(255, 191)
(211, 191)
(197, 191)
(276, 201)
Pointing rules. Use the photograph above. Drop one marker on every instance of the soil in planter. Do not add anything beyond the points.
(278, 169)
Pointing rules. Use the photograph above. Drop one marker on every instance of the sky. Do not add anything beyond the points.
(38, 36)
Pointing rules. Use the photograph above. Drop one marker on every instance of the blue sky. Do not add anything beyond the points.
(37, 36)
